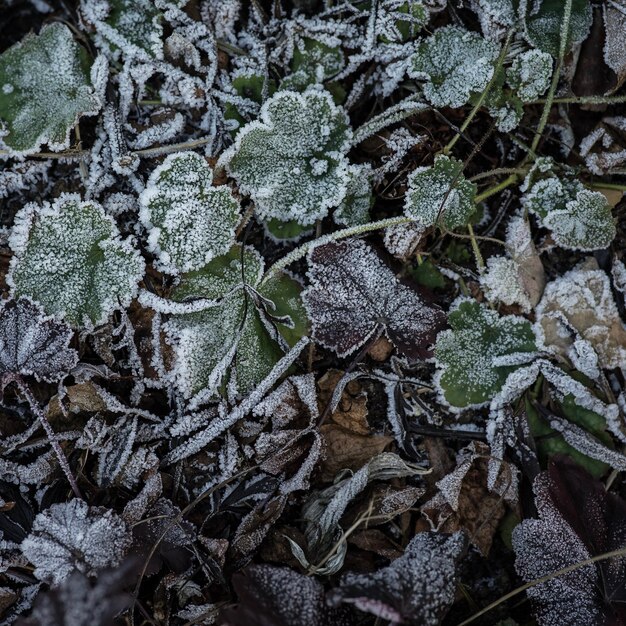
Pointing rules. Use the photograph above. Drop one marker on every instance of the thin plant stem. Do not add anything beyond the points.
(492, 191)
(480, 262)
(543, 579)
(43, 420)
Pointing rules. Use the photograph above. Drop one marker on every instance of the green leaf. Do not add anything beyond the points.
(134, 22)
(454, 63)
(286, 231)
(479, 351)
(529, 75)
(69, 256)
(355, 208)
(427, 274)
(440, 195)
(44, 90)
(240, 338)
(189, 221)
(248, 85)
(404, 22)
(291, 161)
(313, 62)
(543, 21)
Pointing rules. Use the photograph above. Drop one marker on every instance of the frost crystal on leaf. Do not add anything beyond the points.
(74, 536)
(440, 195)
(32, 344)
(455, 63)
(530, 74)
(581, 301)
(476, 356)
(354, 295)
(247, 327)
(291, 161)
(417, 588)
(45, 89)
(190, 221)
(69, 256)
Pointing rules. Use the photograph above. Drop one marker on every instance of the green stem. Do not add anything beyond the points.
(601, 186)
(480, 262)
(587, 100)
(520, 171)
(507, 182)
(482, 97)
(302, 251)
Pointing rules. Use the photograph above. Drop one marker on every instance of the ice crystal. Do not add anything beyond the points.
(74, 536)
(353, 296)
(69, 256)
(417, 588)
(45, 88)
(32, 344)
(454, 63)
(291, 161)
(440, 195)
(479, 352)
(530, 74)
(190, 222)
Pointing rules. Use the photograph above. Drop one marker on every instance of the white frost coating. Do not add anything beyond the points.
(496, 17)
(73, 536)
(584, 297)
(618, 272)
(271, 157)
(70, 257)
(47, 97)
(159, 132)
(454, 63)
(530, 74)
(190, 222)
(501, 282)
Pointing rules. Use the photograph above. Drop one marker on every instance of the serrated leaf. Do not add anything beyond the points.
(232, 335)
(69, 256)
(291, 161)
(73, 536)
(530, 73)
(353, 296)
(313, 62)
(32, 344)
(543, 22)
(417, 588)
(454, 63)
(44, 90)
(440, 195)
(478, 353)
(190, 222)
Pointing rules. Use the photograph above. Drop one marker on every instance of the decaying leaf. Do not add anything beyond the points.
(74, 536)
(578, 519)
(354, 297)
(33, 344)
(581, 303)
(417, 588)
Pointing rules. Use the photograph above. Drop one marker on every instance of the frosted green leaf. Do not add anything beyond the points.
(313, 62)
(399, 20)
(578, 218)
(190, 222)
(454, 63)
(440, 195)
(292, 161)
(543, 21)
(69, 256)
(585, 224)
(530, 74)
(238, 334)
(480, 350)
(44, 90)
(355, 207)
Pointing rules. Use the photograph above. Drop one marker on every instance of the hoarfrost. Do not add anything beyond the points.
(74, 536)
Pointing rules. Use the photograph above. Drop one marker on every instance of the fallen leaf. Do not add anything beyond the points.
(81, 398)
(351, 412)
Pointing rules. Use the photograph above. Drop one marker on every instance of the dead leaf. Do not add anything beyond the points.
(381, 350)
(465, 502)
(347, 450)
(615, 31)
(351, 412)
(374, 540)
(81, 398)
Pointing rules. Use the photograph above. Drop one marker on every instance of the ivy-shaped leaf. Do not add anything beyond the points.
(44, 89)
(354, 295)
(291, 161)
(440, 195)
(190, 222)
(73, 536)
(32, 344)
(479, 351)
(454, 63)
(579, 219)
(69, 256)
(243, 333)
(543, 22)
(313, 62)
